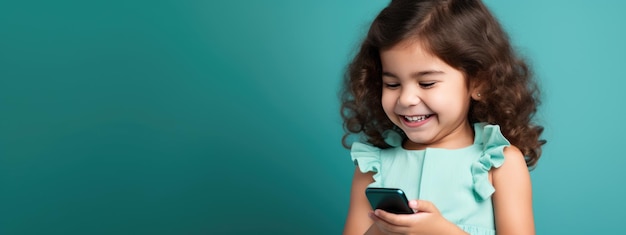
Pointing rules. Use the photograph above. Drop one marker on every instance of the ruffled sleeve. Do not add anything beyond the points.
(492, 155)
(367, 158)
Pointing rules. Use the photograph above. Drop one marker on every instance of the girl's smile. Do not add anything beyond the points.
(416, 120)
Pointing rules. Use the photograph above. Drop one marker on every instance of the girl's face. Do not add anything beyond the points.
(425, 97)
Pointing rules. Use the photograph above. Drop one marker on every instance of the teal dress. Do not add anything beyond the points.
(456, 181)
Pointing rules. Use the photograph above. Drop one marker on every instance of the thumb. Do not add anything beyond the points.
(423, 206)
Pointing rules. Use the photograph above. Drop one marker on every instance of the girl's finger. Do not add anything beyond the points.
(423, 206)
(392, 219)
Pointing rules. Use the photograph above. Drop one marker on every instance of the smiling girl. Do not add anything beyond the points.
(444, 107)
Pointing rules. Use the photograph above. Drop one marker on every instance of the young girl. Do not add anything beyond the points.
(445, 108)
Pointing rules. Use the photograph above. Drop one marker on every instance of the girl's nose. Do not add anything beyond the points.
(409, 97)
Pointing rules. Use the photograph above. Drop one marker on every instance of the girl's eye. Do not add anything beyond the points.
(427, 84)
(392, 85)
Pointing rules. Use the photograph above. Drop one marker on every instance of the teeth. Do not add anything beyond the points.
(416, 118)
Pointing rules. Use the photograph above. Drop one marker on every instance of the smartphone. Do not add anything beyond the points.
(391, 200)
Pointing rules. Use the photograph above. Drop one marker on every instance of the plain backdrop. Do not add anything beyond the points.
(221, 117)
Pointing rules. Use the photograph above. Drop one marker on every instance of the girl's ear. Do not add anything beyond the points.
(475, 91)
(476, 96)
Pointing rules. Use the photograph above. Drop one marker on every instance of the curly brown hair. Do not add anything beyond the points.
(465, 35)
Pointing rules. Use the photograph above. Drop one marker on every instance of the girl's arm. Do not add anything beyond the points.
(358, 221)
(512, 199)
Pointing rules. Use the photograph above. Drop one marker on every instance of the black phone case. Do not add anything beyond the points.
(391, 200)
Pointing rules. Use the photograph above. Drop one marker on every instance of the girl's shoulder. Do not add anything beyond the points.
(368, 158)
(363, 152)
(492, 144)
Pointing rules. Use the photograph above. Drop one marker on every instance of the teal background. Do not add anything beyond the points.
(207, 117)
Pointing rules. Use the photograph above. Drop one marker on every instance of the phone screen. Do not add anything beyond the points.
(391, 200)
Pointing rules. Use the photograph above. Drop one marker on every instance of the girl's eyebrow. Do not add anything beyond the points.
(414, 75)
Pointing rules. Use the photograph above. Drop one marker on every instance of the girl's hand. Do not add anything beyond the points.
(426, 220)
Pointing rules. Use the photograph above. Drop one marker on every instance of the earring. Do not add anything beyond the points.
(478, 94)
